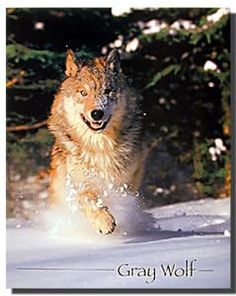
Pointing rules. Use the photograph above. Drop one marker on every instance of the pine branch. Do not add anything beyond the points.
(15, 80)
(25, 127)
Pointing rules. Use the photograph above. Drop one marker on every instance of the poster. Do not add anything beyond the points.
(119, 148)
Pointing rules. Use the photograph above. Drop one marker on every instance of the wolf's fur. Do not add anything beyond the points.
(113, 151)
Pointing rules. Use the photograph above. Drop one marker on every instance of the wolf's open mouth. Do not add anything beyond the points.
(101, 126)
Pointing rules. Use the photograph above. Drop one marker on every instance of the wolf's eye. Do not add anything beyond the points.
(83, 93)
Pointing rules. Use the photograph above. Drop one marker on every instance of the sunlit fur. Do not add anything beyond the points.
(114, 153)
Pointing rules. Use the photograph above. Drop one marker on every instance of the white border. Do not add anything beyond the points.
(128, 3)
(60, 3)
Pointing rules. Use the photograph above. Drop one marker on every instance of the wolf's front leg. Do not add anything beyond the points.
(98, 215)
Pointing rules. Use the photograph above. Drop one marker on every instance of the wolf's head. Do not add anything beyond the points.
(91, 90)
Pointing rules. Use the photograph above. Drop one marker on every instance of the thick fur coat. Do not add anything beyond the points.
(96, 124)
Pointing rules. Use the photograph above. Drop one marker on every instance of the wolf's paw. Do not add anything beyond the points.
(104, 222)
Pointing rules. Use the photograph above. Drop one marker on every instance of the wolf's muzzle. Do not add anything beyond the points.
(99, 126)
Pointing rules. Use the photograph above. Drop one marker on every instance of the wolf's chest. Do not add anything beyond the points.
(98, 160)
(106, 166)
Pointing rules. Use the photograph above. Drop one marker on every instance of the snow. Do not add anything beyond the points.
(48, 253)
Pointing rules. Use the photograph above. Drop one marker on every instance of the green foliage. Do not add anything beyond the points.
(19, 53)
(164, 72)
(211, 172)
(27, 155)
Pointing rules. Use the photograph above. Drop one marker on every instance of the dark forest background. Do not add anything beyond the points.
(177, 59)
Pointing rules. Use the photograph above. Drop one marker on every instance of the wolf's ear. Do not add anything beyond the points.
(113, 61)
(71, 64)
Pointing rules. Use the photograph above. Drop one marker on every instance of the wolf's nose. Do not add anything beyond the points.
(97, 114)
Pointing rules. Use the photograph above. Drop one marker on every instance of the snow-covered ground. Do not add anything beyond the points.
(47, 253)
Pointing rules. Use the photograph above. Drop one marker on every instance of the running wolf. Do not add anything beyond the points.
(96, 123)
